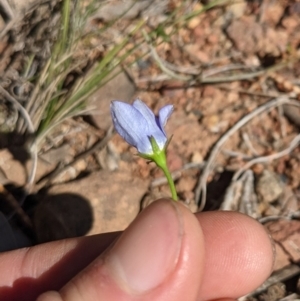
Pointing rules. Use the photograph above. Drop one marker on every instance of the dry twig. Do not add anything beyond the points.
(263, 159)
(279, 276)
(161, 64)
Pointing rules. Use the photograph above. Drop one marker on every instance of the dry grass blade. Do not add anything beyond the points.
(21, 109)
(264, 159)
(33, 149)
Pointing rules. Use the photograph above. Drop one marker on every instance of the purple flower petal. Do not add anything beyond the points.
(136, 123)
(129, 123)
(163, 116)
(156, 131)
(145, 111)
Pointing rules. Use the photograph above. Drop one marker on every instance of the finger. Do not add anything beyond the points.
(49, 266)
(159, 257)
(31, 271)
(239, 254)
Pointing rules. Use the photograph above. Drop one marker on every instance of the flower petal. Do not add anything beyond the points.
(130, 125)
(146, 112)
(156, 131)
(136, 123)
(163, 116)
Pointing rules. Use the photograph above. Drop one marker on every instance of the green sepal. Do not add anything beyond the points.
(158, 156)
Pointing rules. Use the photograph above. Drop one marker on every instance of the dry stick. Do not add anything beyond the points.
(201, 186)
(225, 68)
(294, 143)
(204, 79)
(252, 93)
(7, 8)
(161, 63)
(16, 208)
(249, 144)
(270, 218)
(246, 76)
(278, 276)
(192, 70)
(234, 154)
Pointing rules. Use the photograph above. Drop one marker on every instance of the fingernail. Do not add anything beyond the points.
(148, 250)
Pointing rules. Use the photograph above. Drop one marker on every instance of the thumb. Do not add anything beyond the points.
(159, 257)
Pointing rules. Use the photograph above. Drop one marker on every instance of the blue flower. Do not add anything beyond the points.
(138, 125)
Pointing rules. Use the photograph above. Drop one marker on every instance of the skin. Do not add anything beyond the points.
(166, 254)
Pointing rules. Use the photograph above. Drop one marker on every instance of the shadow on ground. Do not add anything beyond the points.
(54, 217)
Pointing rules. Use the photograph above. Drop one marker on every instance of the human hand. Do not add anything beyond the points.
(166, 254)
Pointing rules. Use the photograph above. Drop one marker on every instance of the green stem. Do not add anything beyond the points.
(167, 173)
(159, 157)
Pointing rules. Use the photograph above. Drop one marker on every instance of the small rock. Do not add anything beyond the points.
(108, 157)
(63, 153)
(213, 39)
(119, 88)
(174, 160)
(80, 165)
(292, 246)
(250, 37)
(243, 33)
(66, 175)
(233, 97)
(282, 229)
(186, 184)
(252, 61)
(197, 157)
(116, 9)
(196, 54)
(290, 201)
(189, 200)
(214, 124)
(290, 23)
(43, 168)
(270, 210)
(13, 169)
(131, 9)
(281, 259)
(268, 187)
(237, 9)
(210, 91)
(276, 291)
(193, 23)
(202, 56)
(272, 13)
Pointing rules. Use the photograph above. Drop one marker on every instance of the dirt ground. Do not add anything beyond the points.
(232, 75)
